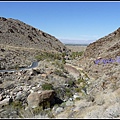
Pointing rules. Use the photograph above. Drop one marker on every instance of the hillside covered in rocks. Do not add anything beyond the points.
(21, 43)
(17, 33)
(102, 58)
(101, 62)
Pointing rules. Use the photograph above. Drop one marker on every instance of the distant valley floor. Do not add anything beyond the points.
(76, 48)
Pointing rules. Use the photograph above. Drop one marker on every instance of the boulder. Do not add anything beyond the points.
(5, 101)
(59, 110)
(47, 95)
(35, 98)
(73, 71)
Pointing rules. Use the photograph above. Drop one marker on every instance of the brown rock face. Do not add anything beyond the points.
(35, 99)
(47, 95)
(16, 33)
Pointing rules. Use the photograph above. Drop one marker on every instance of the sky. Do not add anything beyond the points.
(79, 22)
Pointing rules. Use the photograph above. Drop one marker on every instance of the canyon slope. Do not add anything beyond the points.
(20, 43)
(19, 34)
(101, 63)
(107, 50)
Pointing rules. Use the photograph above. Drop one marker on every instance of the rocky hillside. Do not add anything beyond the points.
(21, 43)
(16, 33)
(102, 57)
(106, 47)
(102, 62)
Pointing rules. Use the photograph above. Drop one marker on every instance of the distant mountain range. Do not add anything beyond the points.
(76, 44)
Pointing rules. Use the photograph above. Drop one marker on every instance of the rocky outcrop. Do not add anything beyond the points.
(16, 33)
(35, 98)
(74, 72)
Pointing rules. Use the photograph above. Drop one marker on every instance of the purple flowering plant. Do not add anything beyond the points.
(105, 61)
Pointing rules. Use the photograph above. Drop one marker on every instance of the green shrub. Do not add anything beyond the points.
(47, 86)
(16, 67)
(78, 89)
(16, 104)
(79, 81)
(70, 83)
(63, 61)
(68, 92)
(37, 110)
(58, 64)
(48, 55)
(60, 73)
(40, 111)
(39, 57)
(78, 98)
(76, 54)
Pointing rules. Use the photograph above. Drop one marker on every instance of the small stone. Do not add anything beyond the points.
(59, 110)
(1, 97)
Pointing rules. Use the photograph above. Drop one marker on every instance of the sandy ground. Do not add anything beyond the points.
(76, 48)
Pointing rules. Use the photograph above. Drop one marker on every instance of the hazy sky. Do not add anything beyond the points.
(70, 22)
